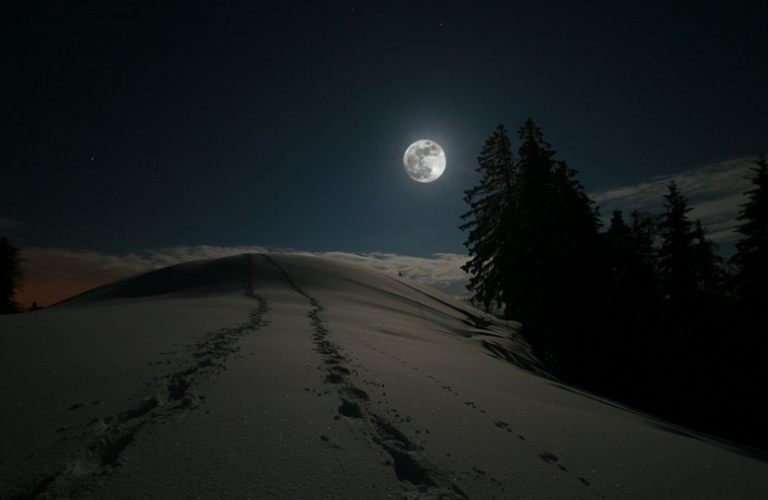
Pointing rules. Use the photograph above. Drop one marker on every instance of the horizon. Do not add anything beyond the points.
(715, 193)
(131, 132)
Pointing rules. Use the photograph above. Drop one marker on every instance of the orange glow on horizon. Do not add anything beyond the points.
(48, 292)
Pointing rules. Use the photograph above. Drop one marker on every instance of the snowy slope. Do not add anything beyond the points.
(290, 377)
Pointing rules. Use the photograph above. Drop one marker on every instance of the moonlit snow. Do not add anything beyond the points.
(292, 377)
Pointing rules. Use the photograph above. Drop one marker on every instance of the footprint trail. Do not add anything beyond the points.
(544, 455)
(170, 395)
(407, 459)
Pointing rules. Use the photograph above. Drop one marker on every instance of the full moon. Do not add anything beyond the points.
(424, 161)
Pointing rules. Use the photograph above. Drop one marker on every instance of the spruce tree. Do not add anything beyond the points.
(694, 310)
(645, 279)
(559, 283)
(618, 228)
(11, 274)
(629, 306)
(688, 265)
(677, 252)
(489, 220)
(751, 258)
(750, 343)
(532, 248)
(644, 230)
(621, 259)
(531, 231)
(750, 282)
(711, 277)
(618, 255)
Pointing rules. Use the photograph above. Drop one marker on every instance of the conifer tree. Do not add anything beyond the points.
(620, 260)
(629, 305)
(689, 270)
(576, 212)
(751, 258)
(751, 289)
(489, 220)
(11, 274)
(645, 279)
(676, 255)
(644, 228)
(618, 228)
(534, 198)
(531, 229)
(560, 230)
(708, 264)
(623, 260)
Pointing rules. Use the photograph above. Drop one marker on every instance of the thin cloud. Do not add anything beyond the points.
(441, 271)
(54, 274)
(714, 192)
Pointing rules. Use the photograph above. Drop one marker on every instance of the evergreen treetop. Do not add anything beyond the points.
(751, 256)
(676, 252)
(687, 264)
(529, 226)
(618, 228)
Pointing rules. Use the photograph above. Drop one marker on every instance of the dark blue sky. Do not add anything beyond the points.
(129, 125)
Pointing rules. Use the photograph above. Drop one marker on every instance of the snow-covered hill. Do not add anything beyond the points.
(289, 377)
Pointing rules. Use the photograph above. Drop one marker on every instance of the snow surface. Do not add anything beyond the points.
(294, 377)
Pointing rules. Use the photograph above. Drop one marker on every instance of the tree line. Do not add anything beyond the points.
(644, 311)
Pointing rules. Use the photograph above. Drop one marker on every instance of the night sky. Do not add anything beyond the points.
(131, 126)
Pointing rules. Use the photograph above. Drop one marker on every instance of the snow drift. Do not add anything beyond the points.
(289, 377)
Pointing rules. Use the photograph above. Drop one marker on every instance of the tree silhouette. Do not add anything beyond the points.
(533, 238)
(676, 254)
(751, 258)
(750, 344)
(693, 315)
(708, 265)
(618, 228)
(531, 232)
(490, 221)
(630, 257)
(11, 274)
(558, 297)
(644, 230)
(687, 264)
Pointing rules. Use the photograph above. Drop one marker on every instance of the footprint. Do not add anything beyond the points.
(334, 378)
(349, 409)
(552, 459)
(178, 386)
(549, 457)
(137, 411)
(356, 393)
